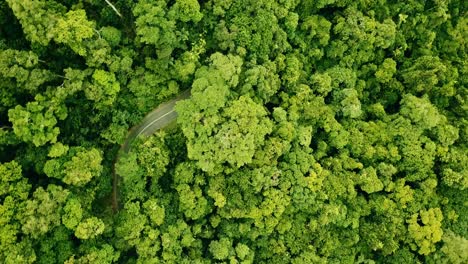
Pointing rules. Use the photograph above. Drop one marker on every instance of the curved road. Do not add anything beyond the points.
(160, 117)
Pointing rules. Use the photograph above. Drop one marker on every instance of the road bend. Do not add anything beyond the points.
(155, 120)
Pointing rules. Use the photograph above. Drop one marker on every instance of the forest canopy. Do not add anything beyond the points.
(328, 131)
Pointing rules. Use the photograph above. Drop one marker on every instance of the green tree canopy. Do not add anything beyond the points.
(328, 131)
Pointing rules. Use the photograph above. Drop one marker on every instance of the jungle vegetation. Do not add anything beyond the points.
(325, 131)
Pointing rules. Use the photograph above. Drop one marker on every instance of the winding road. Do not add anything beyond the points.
(157, 119)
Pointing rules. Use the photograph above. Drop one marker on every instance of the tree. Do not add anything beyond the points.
(241, 131)
(330, 131)
(73, 213)
(36, 123)
(425, 235)
(37, 18)
(186, 10)
(89, 228)
(14, 191)
(420, 111)
(23, 68)
(43, 213)
(77, 167)
(103, 89)
(154, 25)
(72, 29)
(104, 254)
(220, 249)
(454, 248)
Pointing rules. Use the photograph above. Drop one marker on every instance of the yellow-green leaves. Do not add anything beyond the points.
(152, 26)
(37, 18)
(72, 29)
(317, 28)
(12, 182)
(112, 35)
(57, 150)
(261, 81)
(244, 131)
(43, 21)
(420, 111)
(369, 180)
(89, 228)
(36, 123)
(14, 191)
(425, 73)
(23, 68)
(322, 83)
(455, 248)
(235, 140)
(349, 101)
(242, 251)
(103, 89)
(386, 71)
(153, 156)
(42, 213)
(186, 10)
(455, 168)
(165, 27)
(425, 230)
(95, 254)
(154, 211)
(218, 132)
(221, 249)
(72, 213)
(75, 167)
(326, 131)
(131, 223)
(82, 167)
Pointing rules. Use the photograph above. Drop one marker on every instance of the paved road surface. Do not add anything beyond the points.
(160, 117)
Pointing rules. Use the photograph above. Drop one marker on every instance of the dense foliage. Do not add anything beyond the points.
(328, 131)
